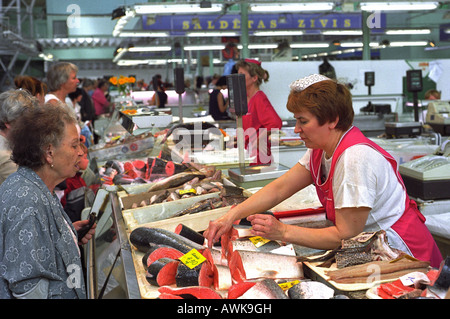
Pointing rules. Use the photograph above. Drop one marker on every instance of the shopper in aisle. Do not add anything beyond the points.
(356, 181)
(87, 109)
(73, 102)
(61, 80)
(101, 103)
(261, 118)
(77, 192)
(39, 254)
(34, 86)
(12, 105)
(217, 103)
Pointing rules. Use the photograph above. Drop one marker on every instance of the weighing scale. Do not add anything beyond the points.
(251, 176)
(399, 129)
(438, 117)
(428, 177)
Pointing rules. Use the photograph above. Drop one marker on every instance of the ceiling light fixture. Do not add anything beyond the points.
(408, 43)
(204, 47)
(309, 45)
(152, 34)
(213, 34)
(291, 7)
(150, 49)
(406, 31)
(398, 6)
(342, 32)
(278, 33)
(175, 8)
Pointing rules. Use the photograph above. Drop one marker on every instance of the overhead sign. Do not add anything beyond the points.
(309, 23)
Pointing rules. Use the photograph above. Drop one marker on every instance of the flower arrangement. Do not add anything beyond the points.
(122, 83)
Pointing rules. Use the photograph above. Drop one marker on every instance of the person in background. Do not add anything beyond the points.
(39, 253)
(61, 80)
(12, 104)
(261, 117)
(141, 85)
(160, 97)
(217, 104)
(357, 182)
(432, 94)
(101, 103)
(87, 110)
(34, 86)
(73, 101)
(213, 82)
(76, 191)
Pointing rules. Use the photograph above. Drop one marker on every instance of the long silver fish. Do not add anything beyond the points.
(265, 289)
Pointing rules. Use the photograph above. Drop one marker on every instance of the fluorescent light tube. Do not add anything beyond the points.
(309, 45)
(153, 34)
(263, 46)
(342, 32)
(398, 6)
(291, 7)
(150, 49)
(411, 31)
(174, 8)
(204, 47)
(213, 34)
(278, 33)
(408, 43)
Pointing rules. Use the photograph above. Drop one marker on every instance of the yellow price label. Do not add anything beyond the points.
(258, 241)
(188, 191)
(192, 259)
(289, 284)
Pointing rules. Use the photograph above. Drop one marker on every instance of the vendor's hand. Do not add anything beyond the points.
(216, 229)
(267, 226)
(79, 224)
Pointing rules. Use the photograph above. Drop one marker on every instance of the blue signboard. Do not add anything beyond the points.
(180, 24)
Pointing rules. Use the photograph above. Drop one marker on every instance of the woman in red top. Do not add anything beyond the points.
(261, 118)
(357, 182)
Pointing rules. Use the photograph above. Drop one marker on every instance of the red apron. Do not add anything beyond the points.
(410, 226)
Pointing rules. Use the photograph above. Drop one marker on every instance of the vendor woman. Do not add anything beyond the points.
(356, 181)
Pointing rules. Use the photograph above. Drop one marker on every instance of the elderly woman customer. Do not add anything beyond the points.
(39, 253)
(356, 181)
(12, 105)
(61, 80)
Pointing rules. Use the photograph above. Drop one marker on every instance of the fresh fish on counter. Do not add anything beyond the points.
(157, 252)
(265, 289)
(189, 233)
(162, 272)
(190, 292)
(192, 126)
(310, 290)
(143, 237)
(200, 206)
(360, 273)
(175, 180)
(250, 265)
(201, 275)
(238, 289)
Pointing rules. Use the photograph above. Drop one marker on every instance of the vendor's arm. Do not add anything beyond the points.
(349, 222)
(297, 178)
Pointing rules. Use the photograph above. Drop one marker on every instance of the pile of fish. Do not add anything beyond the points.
(227, 272)
(434, 284)
(155, 170)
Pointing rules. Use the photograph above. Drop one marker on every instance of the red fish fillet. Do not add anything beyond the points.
(197, 292)
(162, 272)
(239, 289)
(163, 252)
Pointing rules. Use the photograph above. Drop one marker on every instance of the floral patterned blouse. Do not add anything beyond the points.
(39, 257)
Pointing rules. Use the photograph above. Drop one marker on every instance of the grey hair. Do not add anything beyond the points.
(13, 103)
(58, 74)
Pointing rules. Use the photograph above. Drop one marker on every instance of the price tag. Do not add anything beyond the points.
(289, 284)
(192, 259)
(188, 191)
(258, 241)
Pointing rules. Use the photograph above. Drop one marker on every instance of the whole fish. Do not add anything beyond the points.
(202, 205)
(143, 237)
(249, 265)
(175, 180)
(265, 289)
(310, 290)
(192, 126)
